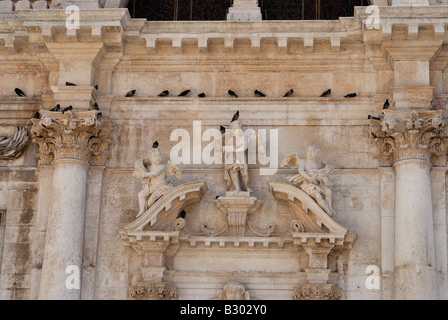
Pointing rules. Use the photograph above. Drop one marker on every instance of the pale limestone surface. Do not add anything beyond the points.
(88, 200)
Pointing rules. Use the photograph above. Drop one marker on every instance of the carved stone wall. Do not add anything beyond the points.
(198, 241)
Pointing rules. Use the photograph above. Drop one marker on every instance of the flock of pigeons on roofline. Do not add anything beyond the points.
(185, 93)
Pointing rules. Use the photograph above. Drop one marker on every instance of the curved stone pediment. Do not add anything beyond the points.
(162, 215)
(311, 218)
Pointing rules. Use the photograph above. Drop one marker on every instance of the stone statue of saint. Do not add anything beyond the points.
(234, 145)
(312, 177)
(152, 172)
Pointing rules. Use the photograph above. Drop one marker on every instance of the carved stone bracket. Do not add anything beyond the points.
(77, 135)
(317, 292)
(404, 135)
(13, 147)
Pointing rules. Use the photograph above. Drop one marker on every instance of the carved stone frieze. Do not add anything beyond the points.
(410, 135)
(153, 291)
(13, 147)
(317, 292)
(77, 135)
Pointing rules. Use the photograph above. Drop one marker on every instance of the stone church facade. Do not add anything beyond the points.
(239, 159)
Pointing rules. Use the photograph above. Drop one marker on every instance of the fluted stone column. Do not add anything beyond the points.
(70, 142)
(413, 139)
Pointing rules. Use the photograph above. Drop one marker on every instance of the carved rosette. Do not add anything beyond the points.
(78, 135)
(154, 291)
(410, 135)
(317, 292)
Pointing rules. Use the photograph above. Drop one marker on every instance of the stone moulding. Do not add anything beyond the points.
(12, 148)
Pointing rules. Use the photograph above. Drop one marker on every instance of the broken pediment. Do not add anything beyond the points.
(311, 221)
(164, 214)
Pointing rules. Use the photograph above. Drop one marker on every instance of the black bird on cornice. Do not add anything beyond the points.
(259, 93)
(351, 95)
(37, 115)
(69, 108)
(56, 108)
(96, 106)
(201, 95)
(232, 93)
(155, 145)
(96, 87)
(164, 93)
(182, 214)
(236, 116)
(19, 92)
(373, 118)
(326, 93)
(184, 93)
(130, 94)
(386, 105)
(289, 93)
(69, 84)
(222, 129)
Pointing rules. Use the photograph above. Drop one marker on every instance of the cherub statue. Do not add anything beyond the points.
(153, 176)
(234, 145)
(312, 177)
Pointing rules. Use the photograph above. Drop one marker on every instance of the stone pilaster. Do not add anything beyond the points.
(69, 142)
(414, 140)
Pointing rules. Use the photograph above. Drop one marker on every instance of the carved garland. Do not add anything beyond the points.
(154, 291)
(317, 292)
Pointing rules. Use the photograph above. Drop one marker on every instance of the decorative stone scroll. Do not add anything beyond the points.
(77, 135)
(12, 148)
(317, 292)
(402, 135)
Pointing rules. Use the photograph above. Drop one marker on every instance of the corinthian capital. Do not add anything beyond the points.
(77, 135)
(411, 135)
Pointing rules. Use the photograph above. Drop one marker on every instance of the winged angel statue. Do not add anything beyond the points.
(153, 174)
(312, 177)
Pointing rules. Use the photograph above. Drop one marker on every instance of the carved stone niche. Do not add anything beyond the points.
(155, 236)
(317, 234)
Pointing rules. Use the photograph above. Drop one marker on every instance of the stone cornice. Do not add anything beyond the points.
(78, 135)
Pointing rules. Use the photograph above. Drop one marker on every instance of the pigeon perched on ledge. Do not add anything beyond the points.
(19, 92)
(326, 93)
(130, 93)
(232, 93)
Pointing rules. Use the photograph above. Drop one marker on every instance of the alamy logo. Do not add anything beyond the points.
(232, 147)
(373, 279)
(373, 21)
(72, 21)
(73, 281)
